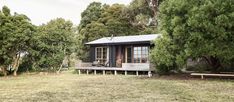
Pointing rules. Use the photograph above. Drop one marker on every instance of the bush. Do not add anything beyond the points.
(163, 69)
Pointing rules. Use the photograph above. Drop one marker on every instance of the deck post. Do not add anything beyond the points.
(87, 71)
(103, 72)
(78, 71)
(137, 73)
(126, 72)
(202, 77)
(95, 72)
(149, 74)
(115, 72)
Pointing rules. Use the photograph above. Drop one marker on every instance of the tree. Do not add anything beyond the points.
(202, 30)
(142, 14)
(106, 20)
(16, 31)
(54, 42)
(116, 24)
(91, 32)
(89, 28)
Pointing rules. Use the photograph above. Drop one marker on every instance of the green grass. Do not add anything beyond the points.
(98, 88)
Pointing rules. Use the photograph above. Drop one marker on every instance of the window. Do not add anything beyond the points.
(128, 55)
(101, 54)
(140, 54)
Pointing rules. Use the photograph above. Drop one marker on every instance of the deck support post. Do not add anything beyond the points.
(103, 72)
(149, 74)
(202, 77)
(137, 73)
(126, 72)
(95, 72)
(115, 72)
(78, 71)
(87, 72)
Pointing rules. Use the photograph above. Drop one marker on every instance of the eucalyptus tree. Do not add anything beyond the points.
(16, 30)
(142, 14)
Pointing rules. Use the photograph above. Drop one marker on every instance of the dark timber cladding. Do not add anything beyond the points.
(92, 53)
(120, 54)
(112, 51)
(115, 48)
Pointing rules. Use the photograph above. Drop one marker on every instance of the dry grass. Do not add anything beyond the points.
(82, 88)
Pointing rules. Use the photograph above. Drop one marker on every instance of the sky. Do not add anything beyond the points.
(42, 11)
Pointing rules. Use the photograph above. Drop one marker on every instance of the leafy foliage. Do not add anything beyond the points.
(53, 42)
(106, 20)
(201, 30)
(30, 47)
(16, 31)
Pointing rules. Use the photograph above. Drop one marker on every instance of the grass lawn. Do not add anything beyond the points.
(98, 88)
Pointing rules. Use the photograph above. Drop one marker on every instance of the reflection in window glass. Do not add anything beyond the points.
(140, 54)
(101, 54)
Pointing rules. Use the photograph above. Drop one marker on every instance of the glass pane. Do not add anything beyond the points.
(143, 60)
(104, 53)
(135, 52)
(129, 55)
(98, 56)
(146, 48)
(138, 48)
(141, 54)
(135, 48)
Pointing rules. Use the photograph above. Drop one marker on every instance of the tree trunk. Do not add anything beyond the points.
(4, 70)
(16, 64)
(64, 52)
(214, 62)
(60, 68)
(154, 5)
(69, 61)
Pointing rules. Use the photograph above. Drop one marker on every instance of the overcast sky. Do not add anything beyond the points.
(42, 11)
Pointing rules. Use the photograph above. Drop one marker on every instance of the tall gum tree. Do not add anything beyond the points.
(16, 31)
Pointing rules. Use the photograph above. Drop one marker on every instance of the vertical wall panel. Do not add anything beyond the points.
(92, 53)
(114, 56)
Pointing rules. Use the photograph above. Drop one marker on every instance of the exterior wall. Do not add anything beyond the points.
(117, 53)
(136, 66)
(92, 53)
(112, 56)
(119, 56)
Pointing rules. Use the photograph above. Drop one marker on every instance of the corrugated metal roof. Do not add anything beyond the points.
(125, 39)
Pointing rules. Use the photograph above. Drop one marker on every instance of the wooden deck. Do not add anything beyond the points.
(114, 69)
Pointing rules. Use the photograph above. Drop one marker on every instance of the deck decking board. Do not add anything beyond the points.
(111, 68)
(115, 69)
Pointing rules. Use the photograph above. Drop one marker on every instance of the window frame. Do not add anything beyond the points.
(140, 53)
(101, 59)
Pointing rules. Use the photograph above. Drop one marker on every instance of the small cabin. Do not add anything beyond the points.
(122, 51)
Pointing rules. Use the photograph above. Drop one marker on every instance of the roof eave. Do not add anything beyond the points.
(114, 43)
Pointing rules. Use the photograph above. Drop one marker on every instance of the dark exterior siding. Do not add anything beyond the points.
(92, 53)
(112, 51)
(112, 57)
